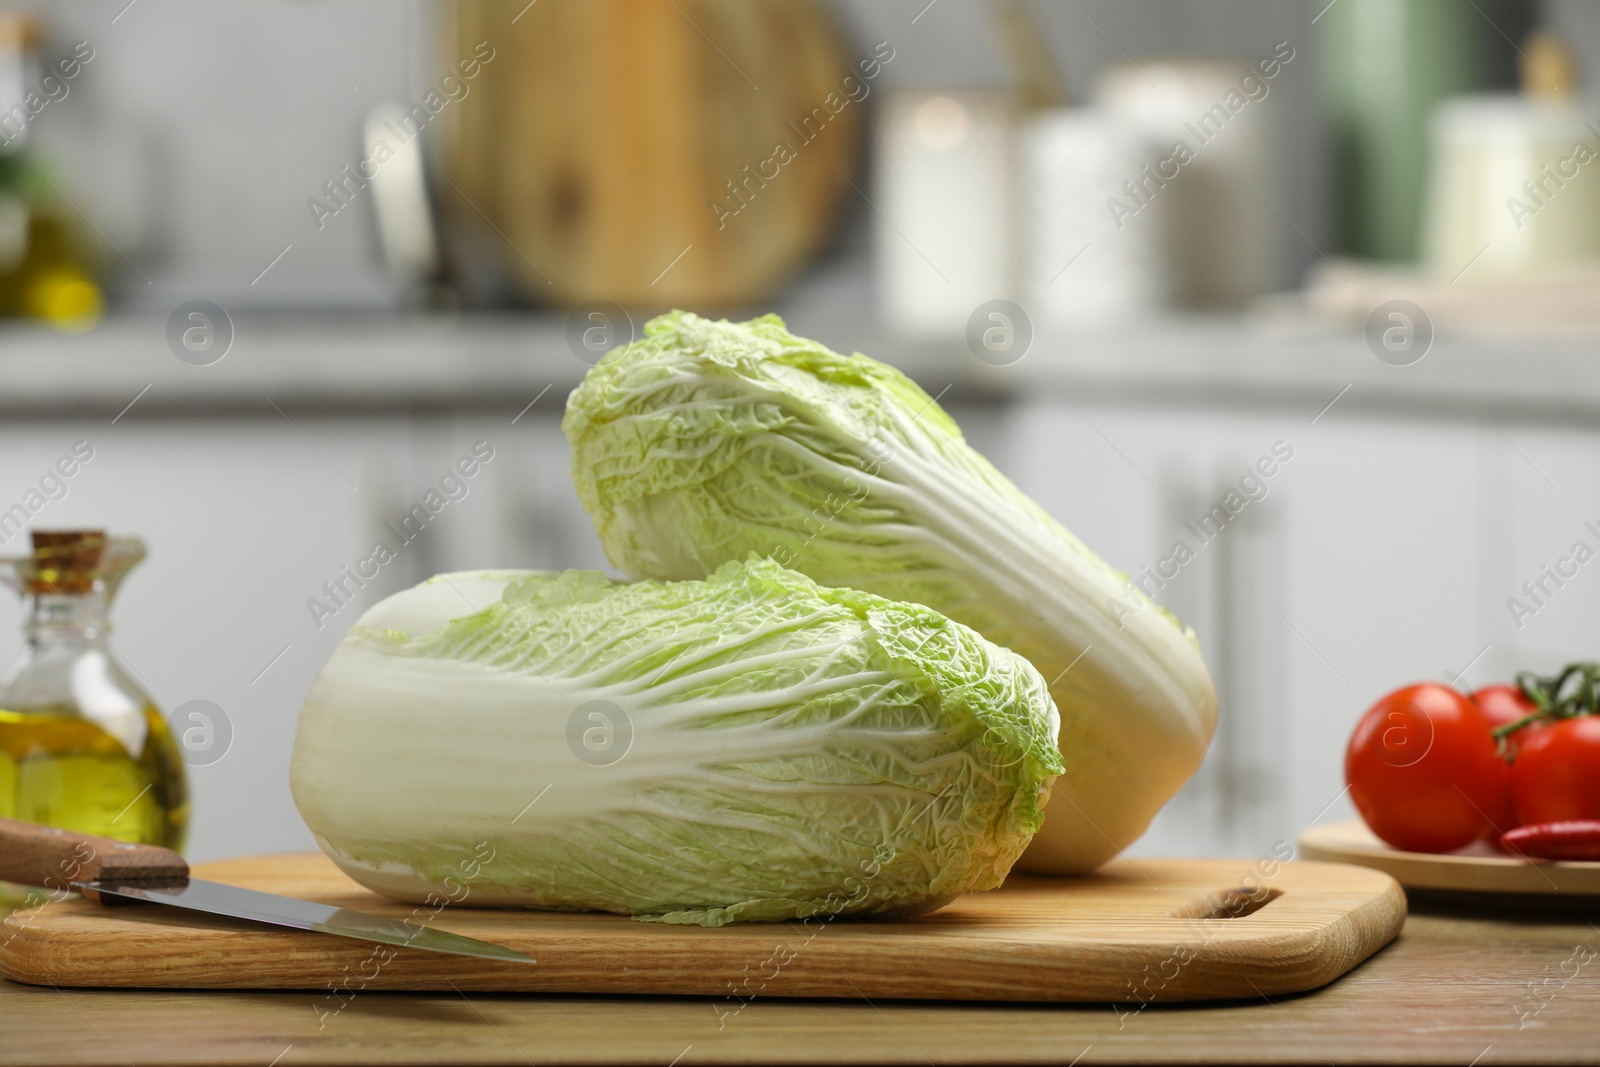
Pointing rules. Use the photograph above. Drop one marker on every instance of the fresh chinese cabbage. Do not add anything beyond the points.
(705, 441)
(749, 747)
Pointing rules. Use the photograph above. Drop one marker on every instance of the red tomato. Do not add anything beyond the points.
(1504, 704)
(1424, 773)
(1556, 775)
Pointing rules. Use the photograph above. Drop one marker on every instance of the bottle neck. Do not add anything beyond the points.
(65, 618)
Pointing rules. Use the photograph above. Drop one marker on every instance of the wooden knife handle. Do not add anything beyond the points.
(45, 856)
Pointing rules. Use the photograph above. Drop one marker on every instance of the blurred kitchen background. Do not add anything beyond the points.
(274, 266)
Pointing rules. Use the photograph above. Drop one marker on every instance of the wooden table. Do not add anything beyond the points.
(1449, 991)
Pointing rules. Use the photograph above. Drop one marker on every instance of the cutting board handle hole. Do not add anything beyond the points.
(1227, 904)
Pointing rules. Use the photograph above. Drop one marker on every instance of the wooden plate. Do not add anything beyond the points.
(1478, 869)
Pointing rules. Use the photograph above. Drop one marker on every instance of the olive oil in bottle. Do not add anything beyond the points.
(63, 770)
(81, 745)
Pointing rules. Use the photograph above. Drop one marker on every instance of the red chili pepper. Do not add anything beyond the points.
(1569, 839)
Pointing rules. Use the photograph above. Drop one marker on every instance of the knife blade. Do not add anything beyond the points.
(104, 870)
(214, 898)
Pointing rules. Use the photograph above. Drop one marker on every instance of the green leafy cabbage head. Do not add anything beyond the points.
(706, 441)
(753, 746)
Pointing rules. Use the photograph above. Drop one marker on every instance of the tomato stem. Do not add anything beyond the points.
(1555, 698)
(1527, 720)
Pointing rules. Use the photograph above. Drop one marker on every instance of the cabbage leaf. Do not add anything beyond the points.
(753, 746)
(705, 441)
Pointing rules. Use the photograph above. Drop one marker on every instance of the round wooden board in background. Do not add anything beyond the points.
(1480, 870)
(655, 153)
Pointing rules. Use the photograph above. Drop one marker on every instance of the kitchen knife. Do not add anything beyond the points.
(106, 871)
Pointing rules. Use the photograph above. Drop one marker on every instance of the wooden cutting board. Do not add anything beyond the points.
(1151, 930)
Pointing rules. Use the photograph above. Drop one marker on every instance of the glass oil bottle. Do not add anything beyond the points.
(81, 745)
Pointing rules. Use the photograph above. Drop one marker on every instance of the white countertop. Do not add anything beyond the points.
(502, 361)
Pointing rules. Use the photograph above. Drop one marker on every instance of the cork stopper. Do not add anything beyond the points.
(66, 561)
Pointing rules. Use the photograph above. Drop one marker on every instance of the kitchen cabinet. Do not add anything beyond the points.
(1381, 553)
(1548, 500)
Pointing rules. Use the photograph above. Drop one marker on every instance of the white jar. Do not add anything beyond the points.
(1514, 188)
(1081, 263)
(942, 203)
